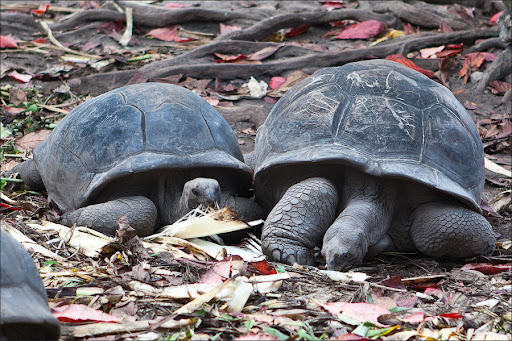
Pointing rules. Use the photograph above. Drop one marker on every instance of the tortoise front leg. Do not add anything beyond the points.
(140, 212)
(298, 221)
(364, 221)
(450, 229)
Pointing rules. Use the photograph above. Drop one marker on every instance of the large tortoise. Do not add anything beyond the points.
(24, 311)
(149, 151)
(370, 156)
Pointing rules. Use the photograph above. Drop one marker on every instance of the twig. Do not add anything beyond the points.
(48, 30)
(127, 35)
(387, 288)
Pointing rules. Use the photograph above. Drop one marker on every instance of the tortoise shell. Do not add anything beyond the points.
(380, 117)
(134, 129)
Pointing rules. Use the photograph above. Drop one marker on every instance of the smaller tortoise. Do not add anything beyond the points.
(370, 156)
(149, 151)
(24, 311)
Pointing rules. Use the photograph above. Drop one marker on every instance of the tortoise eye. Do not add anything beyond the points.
(195, 191)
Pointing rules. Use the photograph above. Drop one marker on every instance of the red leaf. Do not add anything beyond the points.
(330, 5)
(473, 61)
(487, 268)
(224, 58)
(452, 315)
(41, 10)
(494, 18)
(404, 61)
(220, 272)
(363, 30)
(276, 82)
(19, 77)
(171, 5)
(40, 40)
(292, 32)
(271, 100)
(81, 313)
(455, 46)
(227, 28)
(264, 267)
(393, 282)
(8, 42)
(449, 50)
(414, 318)
(9, 207)
(409, 30)
(362, 312)
(167, 34)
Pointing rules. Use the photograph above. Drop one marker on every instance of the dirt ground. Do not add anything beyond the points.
(214, 48)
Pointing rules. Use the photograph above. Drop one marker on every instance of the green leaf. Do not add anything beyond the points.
(348, 319)
(4, 131)
(279, 268)
(377, 333)
(32, 108)
(363, 329)
(275, 333)
(12, 180)
(50, 263)
(397, 309)
(248, 324)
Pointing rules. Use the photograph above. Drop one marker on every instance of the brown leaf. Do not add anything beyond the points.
(463, 11)
(499, 87)
(444, 27)
(17, 96)
(227, 28)
(264, 53)
(31, 140)
(224, 58)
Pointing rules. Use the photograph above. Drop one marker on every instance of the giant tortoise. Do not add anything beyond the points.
(373, 156)
(24, 311)
(149, 151)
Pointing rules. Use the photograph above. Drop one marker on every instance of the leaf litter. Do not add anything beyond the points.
(173, 287)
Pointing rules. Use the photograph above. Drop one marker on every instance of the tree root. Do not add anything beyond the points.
(417, 16)
(158, 19)
(100, 83)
